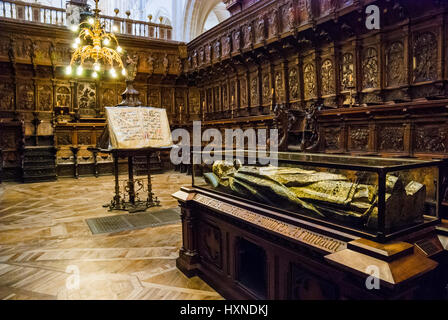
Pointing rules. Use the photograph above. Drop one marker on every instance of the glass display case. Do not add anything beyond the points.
(372, 197)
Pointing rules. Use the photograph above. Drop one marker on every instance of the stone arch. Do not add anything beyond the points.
(196, 14)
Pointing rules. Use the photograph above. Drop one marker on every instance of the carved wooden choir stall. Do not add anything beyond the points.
(314, 71)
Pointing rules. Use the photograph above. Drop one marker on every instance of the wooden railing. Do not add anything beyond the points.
(37, 13)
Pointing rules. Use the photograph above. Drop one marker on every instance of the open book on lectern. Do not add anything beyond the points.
(138, 128)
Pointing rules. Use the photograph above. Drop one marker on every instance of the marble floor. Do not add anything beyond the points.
(48, 252)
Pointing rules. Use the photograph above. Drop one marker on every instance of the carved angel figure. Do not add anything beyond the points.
(150, 61)
(131, 66)
(166, 64)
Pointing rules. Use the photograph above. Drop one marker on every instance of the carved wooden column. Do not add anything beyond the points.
(188, 255)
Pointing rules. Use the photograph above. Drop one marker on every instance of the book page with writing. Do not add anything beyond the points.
(138, 127)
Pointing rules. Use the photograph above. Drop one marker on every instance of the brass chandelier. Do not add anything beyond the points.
(96, 46)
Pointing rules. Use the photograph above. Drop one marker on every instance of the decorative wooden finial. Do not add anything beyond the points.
(117, 11)
(128, 13)
(150, 17)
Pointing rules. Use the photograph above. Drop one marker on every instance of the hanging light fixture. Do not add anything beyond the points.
(96, 46)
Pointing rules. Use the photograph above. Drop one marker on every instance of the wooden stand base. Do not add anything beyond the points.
(245, 252)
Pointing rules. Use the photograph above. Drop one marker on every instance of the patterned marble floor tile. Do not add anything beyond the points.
(45, 242)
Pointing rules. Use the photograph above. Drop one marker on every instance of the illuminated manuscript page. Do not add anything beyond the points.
(137, 128)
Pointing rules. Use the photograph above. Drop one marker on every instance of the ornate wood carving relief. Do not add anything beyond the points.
(109, 98)
(359, 138)
(84, 138)
(333, 138)
(217, 50)
(310, 81)
(348, 71)
(167, 99)
(45, 93)
(236, 40)
(25, 97)
(328, 81)
(248, 36)
(194, 101)
(243, 90)
(265, 89)
(226, 45)
(153, 97)
(279, 88)
(370, 68)
(425, 57)
(254, 91)
(217, 99)
(431, 139)
(87, 99)
(208, 53)
(63, 97)
(225, 97)
(391, 138)
(64, 138)
(273, 24)
(6, 96)
(260, 30)
(395, 72)
(293, 84)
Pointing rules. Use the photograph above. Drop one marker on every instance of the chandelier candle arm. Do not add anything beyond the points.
(96, 45)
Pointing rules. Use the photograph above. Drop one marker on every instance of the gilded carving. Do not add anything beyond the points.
(293, 84)
(391, 138)
(254, 91)
(279, 90)
(45, 93)
(6, 96)
(153, 97)
(150, 63)
(370, 68)
(217, 99)
(328, 82)
(225, 97)
(394, 64)
(167, 99)
(63, 97)
(194, 102)
(166, 64)
(425, 57)
(109, 98)
(310, 81)
(265, 89)
(348, 71)
(84, 138)
(87, 99)
(23, 48)
(64, 138)
(243, 84)
(131, 65)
